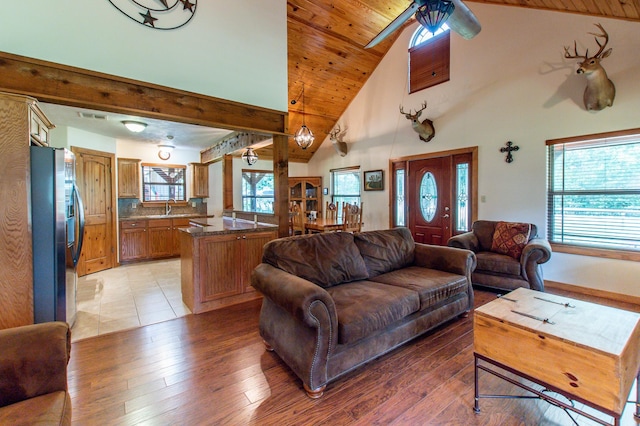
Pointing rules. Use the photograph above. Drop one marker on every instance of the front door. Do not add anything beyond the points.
(95, 182)
(429, 196)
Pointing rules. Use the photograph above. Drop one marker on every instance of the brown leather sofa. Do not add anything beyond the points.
(335, 301)
(33, 375)
(503, 271)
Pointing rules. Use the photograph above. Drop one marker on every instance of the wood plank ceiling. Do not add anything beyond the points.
(326, 53)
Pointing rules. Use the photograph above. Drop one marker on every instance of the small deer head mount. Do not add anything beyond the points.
(600, 91)
(425, 129)
(336, 140)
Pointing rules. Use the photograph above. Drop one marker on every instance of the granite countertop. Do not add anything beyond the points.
(226, 225)
(166, 216)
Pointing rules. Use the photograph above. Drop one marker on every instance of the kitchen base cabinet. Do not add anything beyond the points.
(150, 239)
(160, 234)
(134, 244)
(216, 269)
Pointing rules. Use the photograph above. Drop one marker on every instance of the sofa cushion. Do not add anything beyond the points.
(386, 250)
(495, 262)
(510, 238)
(433, 286)
(364, 307)
(325, 259)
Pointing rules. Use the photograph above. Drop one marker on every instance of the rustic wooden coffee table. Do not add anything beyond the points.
(584, 351)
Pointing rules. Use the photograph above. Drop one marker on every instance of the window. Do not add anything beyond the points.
(428, 58)
(257, 191)
(163, 182)
(594, 191)
(399, 207)
(345, 186)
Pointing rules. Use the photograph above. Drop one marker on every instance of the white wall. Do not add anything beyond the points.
(234, 50)
(510, 83)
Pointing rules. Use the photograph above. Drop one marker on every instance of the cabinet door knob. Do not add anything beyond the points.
(244, 237)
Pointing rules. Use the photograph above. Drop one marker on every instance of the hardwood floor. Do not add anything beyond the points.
(212, 369)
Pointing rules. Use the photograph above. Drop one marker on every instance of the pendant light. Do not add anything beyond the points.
(433, 13)
(304, 136)
(249, 157)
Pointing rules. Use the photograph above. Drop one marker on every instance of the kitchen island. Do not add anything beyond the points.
(217, 258)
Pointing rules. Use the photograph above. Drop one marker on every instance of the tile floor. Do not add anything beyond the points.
(128, 296)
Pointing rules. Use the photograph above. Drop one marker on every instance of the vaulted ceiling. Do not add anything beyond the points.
(326, 40)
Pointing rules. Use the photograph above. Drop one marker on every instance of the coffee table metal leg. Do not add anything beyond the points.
(637, 413)
(476, 406)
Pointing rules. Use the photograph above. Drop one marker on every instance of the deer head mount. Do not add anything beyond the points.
(600, 91)
(336, 140)
(425, 129)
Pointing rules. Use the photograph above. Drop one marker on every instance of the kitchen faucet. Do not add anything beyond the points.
(167, 207)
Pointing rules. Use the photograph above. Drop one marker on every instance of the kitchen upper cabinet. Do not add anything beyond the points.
(128, 178)
(199, 180)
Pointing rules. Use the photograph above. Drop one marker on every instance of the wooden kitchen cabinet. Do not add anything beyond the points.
(160, 234)
(134, 243)
(22, 124)
(176, 224)
(199, 180)
(216, 268)
(307, 192)
(128, 178)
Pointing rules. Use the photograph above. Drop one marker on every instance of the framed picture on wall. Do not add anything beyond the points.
(373, 180)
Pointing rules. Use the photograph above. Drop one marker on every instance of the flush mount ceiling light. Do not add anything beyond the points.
(164, 151)
(304, 136)
(433, 13)
(249, 157)
(134, 126)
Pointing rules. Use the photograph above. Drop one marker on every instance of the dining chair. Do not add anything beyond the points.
(331, 211)
(297, 220)
(352, 217)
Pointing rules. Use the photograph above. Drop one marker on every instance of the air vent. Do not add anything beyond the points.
(92, 116)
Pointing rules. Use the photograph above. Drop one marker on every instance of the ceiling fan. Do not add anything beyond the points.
(457, 15)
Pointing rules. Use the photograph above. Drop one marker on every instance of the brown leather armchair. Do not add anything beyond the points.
(33, 374)
(502, 271)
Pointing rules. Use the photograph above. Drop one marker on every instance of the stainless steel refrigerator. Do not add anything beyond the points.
(57, 228)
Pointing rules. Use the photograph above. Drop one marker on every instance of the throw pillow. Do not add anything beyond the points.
(510, 238)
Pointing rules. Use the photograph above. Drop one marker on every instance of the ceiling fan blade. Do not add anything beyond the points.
(394, 25)
(463, 21)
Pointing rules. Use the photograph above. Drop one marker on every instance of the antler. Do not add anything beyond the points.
(576, 54)
(424, 105)
(606, 40)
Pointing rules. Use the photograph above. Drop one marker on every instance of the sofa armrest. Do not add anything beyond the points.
(448, 259)
(33, 361)
(292, 293)
(467, 241)
(537, 250)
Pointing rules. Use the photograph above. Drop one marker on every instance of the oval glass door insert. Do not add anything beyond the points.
(428, 196)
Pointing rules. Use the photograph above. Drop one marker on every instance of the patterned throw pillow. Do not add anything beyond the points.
(510, 238)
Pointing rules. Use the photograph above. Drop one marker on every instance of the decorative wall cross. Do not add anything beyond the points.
(508, 149)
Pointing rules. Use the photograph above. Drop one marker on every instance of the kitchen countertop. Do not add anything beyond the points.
(166, 216)
(226, 225)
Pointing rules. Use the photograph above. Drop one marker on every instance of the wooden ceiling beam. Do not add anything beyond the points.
(229, 144)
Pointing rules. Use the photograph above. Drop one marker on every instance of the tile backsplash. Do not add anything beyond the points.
(125, 208)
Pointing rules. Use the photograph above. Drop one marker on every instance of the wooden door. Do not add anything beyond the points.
(429, 193)
(95, 182)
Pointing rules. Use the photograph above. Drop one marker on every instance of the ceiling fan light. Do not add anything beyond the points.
(135, 126)
(249, 157)
(304, 137)
(433, 13)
